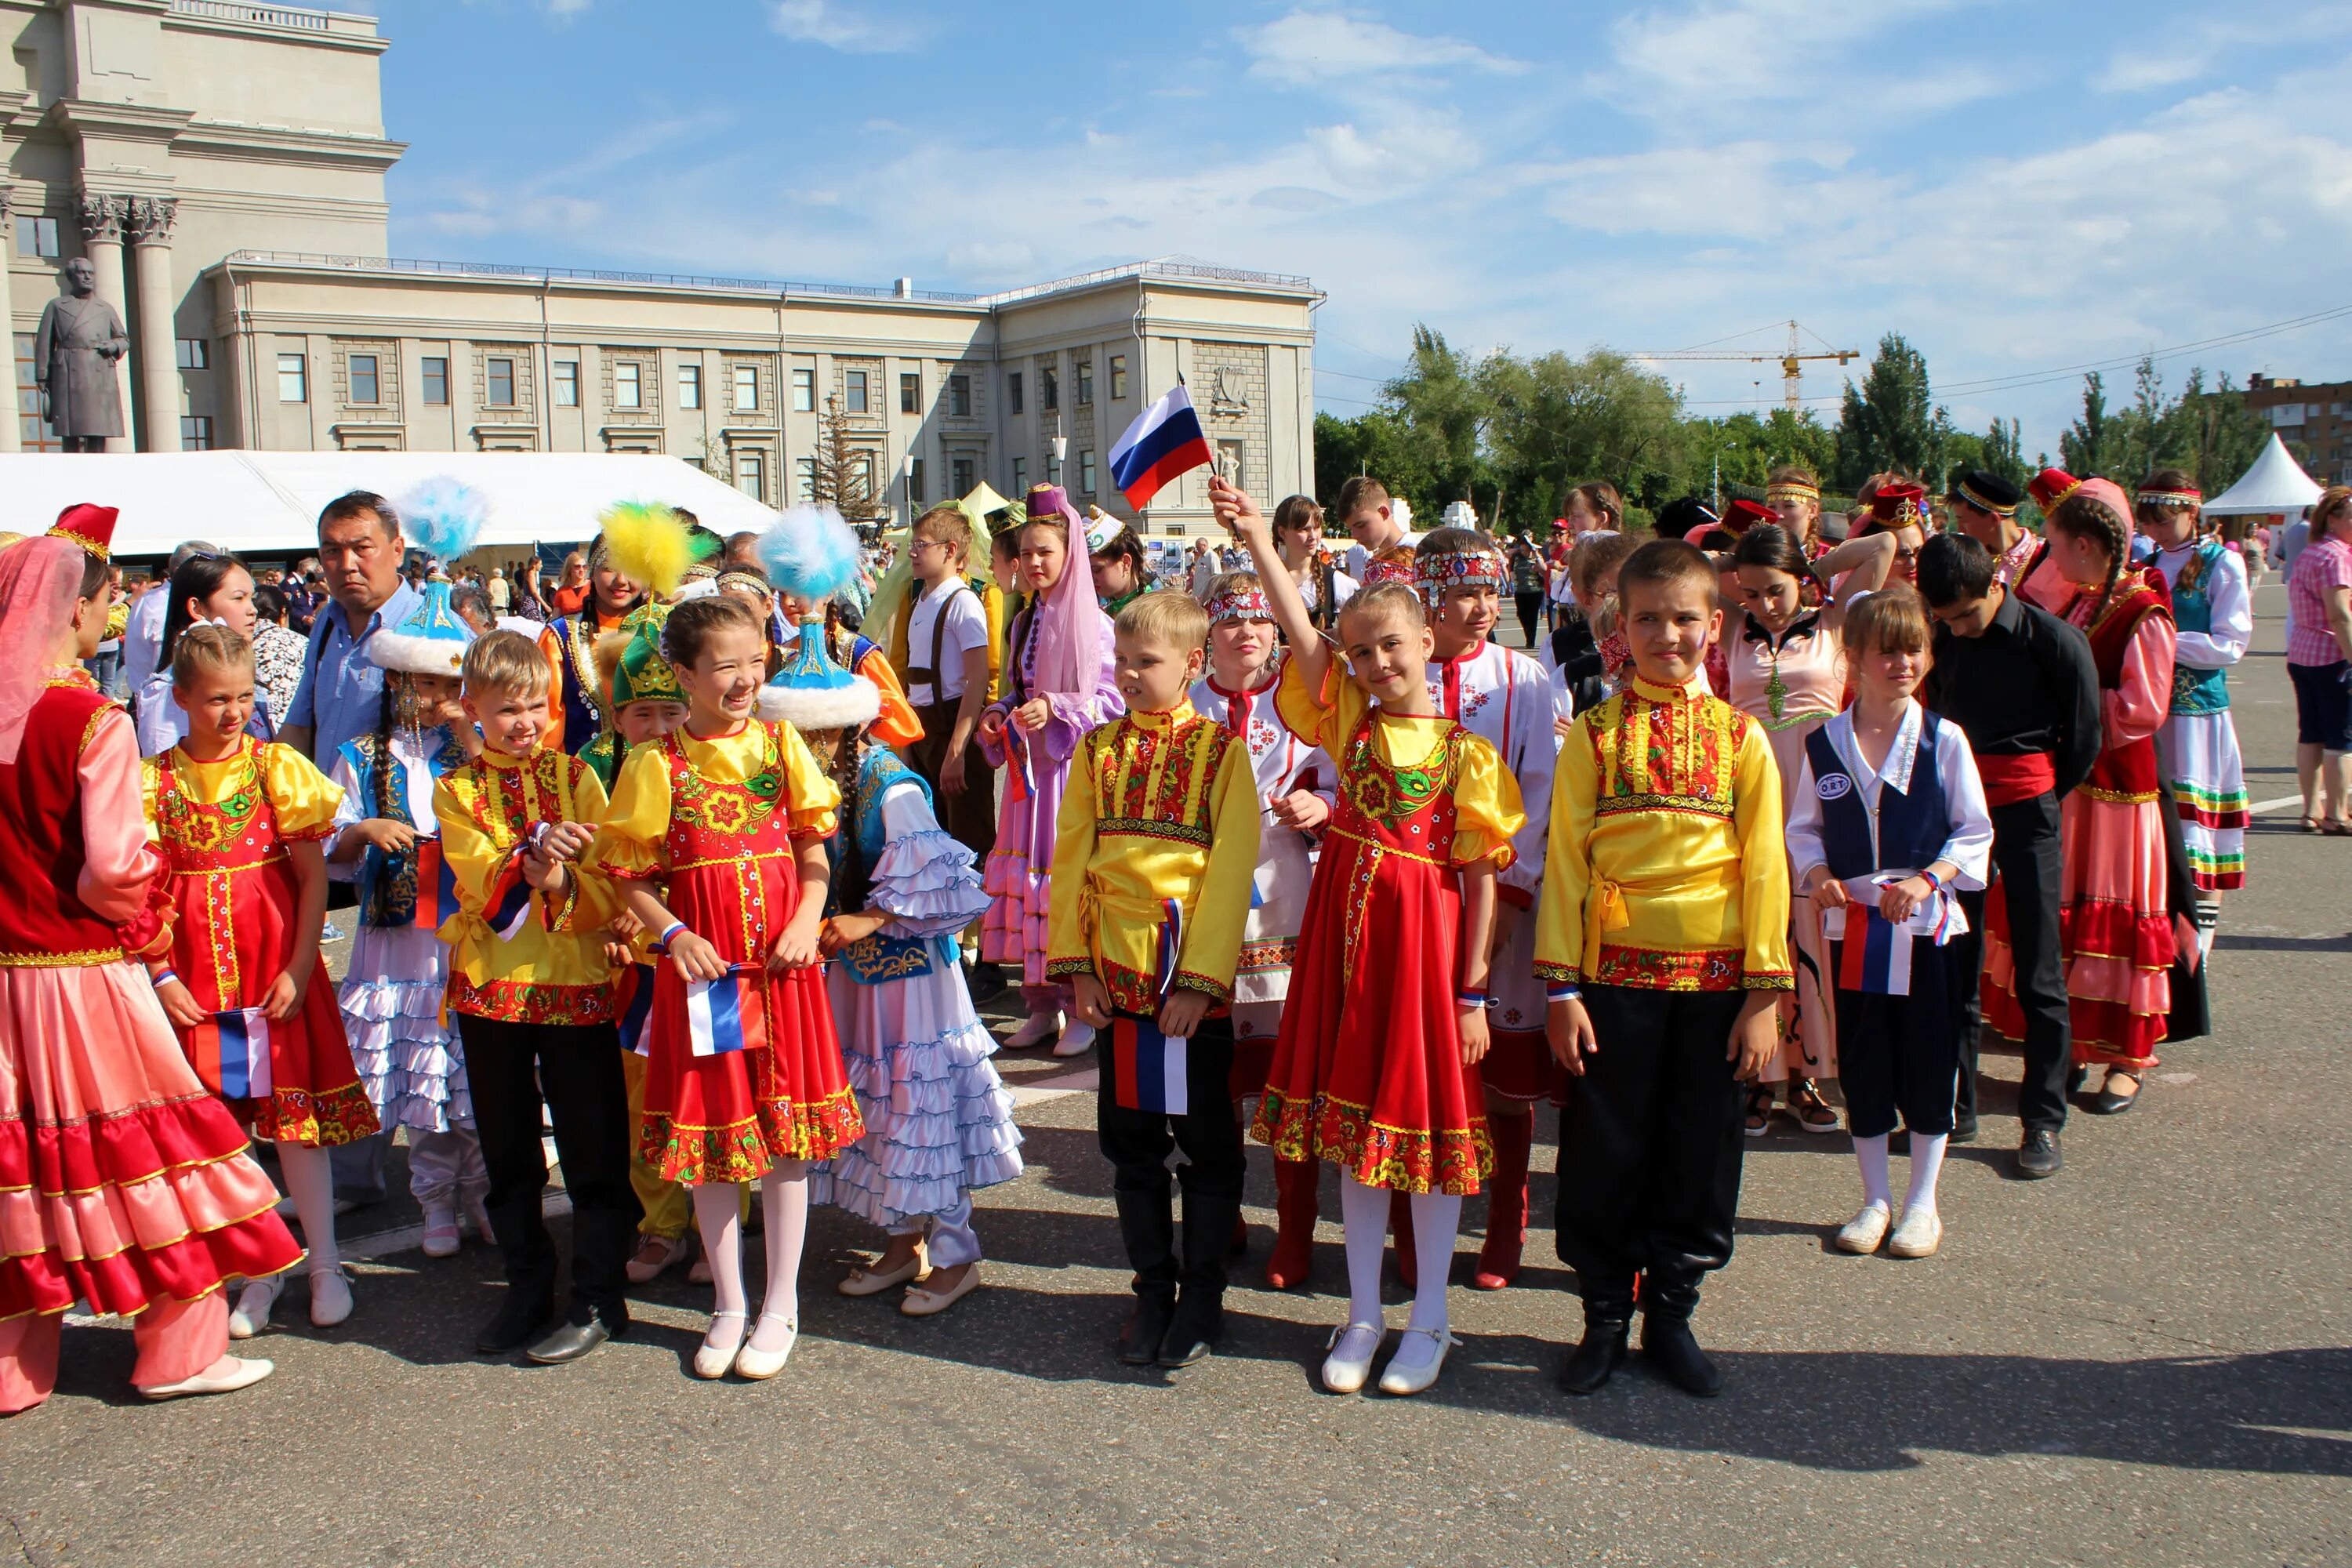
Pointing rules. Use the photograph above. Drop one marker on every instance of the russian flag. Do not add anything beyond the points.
(1150, 1067)
(437, 886)
(231, 1052)
(1165, 440)
(508, 907)
(1876, 957)
(729, 1013)
(636, 983)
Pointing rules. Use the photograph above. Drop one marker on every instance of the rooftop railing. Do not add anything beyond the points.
(293, 18)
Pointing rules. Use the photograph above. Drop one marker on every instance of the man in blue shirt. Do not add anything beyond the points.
(342, 697)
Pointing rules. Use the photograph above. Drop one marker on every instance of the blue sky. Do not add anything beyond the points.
(2017, 187)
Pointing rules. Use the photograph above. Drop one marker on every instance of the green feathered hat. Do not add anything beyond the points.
(630, 660)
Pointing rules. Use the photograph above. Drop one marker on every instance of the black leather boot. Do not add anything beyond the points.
(1607, 1313)
(1667, 1341)
(1139, 1343)
(527, 1312)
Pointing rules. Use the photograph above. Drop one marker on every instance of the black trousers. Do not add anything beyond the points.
(2025, 852)
(1650, 1146)
(1901, 1054)
(1137, 1144)
(1530, 607)
(577, 1067)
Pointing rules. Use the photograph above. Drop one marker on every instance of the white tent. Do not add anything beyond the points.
(268, 502)
(2275, 486)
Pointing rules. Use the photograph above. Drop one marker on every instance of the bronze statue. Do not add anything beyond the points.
(81, 340)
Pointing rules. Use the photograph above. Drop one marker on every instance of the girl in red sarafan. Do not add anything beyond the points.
(240, 825)
(1376, 1067)
(720, 828)
(123, 1183)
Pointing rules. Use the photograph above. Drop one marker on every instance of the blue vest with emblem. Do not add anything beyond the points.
(387, 882)
(2198, 690)
(1913, 826)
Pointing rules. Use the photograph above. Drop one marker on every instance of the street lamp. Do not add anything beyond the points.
(1061, 446)
(907, 471)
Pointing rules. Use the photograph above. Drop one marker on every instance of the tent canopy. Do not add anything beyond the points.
(268, 502)
(2276, 484)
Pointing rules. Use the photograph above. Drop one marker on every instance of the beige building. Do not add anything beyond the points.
(223, 166)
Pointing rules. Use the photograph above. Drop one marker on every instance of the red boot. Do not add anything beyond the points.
(1507, 1202)
(1401, 1228)
(1293, 1257)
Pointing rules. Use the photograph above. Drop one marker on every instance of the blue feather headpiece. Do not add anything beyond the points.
(810, 553)
(443, 517)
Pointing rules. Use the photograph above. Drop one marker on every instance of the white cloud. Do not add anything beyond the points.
(2168, 57)
(567, 9)
(837, 28)
(1722, 57)
(1306, 47)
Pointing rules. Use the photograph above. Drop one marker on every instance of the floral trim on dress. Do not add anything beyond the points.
(745, 1151)
(1454, 1161)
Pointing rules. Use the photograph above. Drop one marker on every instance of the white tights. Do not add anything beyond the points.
(309, 1176)
(1436, 1219)
(718, 1214)
(1927, 1166)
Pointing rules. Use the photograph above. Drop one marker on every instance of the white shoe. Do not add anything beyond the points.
(242, 1373)
(1350, 1363)
(1076, 1040)
(1921, 1232)
(1865, 1231)
(330, 1297)
(251, 1313)
(1411, 1377)
(441, 1236)
(655, 1256)
(711, 1361)
(1035, 1030)
(757, 1364)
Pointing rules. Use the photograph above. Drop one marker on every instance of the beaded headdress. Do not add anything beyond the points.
(1442, 572)
(1390, 563)
(1792, 489)
(1242, 605)
(2149, 495)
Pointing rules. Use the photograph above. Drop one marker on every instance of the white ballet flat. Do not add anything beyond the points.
(711, 1362)
(1400, 1378)
(1035, 1030)
(330, 1297)
(1076, 1040)
(1352, 1349)
(243, 1373)
(757, 1364)
(254, 1304)
(1865, 1231)
(864, 1282)
(441, 1236)
(1921, 1232)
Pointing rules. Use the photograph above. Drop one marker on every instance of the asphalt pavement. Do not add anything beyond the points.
(2143, 1361)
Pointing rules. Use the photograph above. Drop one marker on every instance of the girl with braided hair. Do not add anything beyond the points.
(2118, 945)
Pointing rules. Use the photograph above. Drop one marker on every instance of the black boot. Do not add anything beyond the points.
(527, 1310)
(1193, 1330)
(1139, 1343)
(1602, 1352)
(1667, 1303)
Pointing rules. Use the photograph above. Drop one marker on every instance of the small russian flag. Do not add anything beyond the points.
(730, 1014)
(1165, 440)
(437, 886)
(1874, 959)
(508, 909)
(1150, 1067)
(636, 984)
(232, 1053)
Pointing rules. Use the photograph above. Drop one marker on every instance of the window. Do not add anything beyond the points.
(498, 371)
(33, 431)
(37, 237)
(808, 476)
(293, 379)
(433, 372)
(1053, 470)
(804, 391)
(965, 480)
(915, 494)
(853, 392)
(911, 393)
(365, 385)
(959, 396)
(196, 432)
(567, 382)
(1049, 390)
(194, 353)
(1020, 477)
(747, 388)
(1086, 471)
(751, 475)
(690, 387)
(1012, 392)
(1085, 382)
(863, 467)
(629, 384)
(1117, 377)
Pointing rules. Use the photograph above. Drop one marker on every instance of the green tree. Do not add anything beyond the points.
(2087, 449)
(1891, 421)
(1558, 422)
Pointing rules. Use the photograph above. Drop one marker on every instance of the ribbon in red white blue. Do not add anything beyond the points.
(730, 1014)
(232, 1051)
(1171, 941)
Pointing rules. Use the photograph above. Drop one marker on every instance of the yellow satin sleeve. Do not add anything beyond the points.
(304, 799)
(637, 821)
(1326, 718)
(1486, 807)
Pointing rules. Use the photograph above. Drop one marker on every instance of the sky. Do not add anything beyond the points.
(2019, 188)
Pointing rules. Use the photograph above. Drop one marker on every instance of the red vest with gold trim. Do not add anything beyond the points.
(2126, 772)
(43, 921)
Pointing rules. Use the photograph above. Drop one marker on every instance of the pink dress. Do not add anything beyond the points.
(1792, 685)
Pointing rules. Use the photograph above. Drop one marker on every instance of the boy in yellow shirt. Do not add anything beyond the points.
(1153, 858)
(528, 972)
(1663, 939)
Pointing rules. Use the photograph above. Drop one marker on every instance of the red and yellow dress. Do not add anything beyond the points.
(222, 828)
(720, 821)
(123, 1183)
(1368, 1069)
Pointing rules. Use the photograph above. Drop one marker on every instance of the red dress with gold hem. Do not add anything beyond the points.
(1368, 1070)
(222, 827)
(720, 821)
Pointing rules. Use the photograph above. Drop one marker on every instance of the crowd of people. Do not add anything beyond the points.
(703, 854)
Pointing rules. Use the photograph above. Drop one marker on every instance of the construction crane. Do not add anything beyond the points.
(1791, 358)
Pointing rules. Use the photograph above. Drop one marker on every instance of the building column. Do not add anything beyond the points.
(156, 355)
(101, 239)
(11, 433)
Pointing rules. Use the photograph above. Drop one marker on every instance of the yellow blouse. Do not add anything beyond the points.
(552, 969)
(1665, 867)
(1160, 806)
(633, 839)
(1486, 806)
(301, 797)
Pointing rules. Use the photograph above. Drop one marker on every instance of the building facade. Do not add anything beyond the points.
(2314, 418)
(248, 257)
